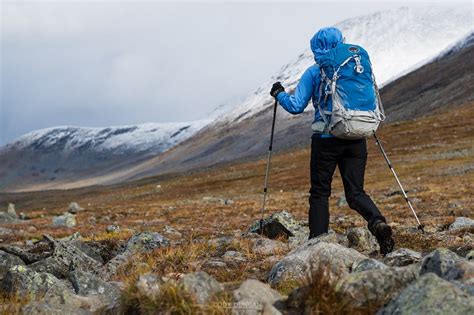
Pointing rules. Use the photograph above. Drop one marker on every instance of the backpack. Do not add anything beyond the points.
(347, 81)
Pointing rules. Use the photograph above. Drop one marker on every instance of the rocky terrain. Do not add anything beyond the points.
(144, 274)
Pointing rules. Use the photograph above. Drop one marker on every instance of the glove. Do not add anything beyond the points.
(276, 88)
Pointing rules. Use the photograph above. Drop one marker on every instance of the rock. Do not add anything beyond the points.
(23, 216)
(430, 295)
(6, 218)
(226, 202)
(112, 229)
(7, 261)
(266, 247)
(461, 223)
(74, 208)
(6, 232)
(41, 308)
(368, 264)
(255, 297)
(462, 271)
(362, 240)
(146, 242)
(298, 263)
(234, 256)
(201, 285)
(28, 283)
(171, 232)
(67, 220)
(341, 201)
(221, 243)
(214, 263)
(41, 250)
(11, 211)
(87, 284)
(374, 286)
(470, 255)
(402, 257)
(112, 267)
(149, 285)
(330, 237)
(279, 224)
(439, 262)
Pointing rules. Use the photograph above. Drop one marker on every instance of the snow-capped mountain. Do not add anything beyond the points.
(151, 138)
(398, 41)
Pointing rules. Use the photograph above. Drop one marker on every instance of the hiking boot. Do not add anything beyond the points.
(383, 233)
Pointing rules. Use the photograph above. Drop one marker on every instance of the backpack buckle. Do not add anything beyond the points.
(358, 67)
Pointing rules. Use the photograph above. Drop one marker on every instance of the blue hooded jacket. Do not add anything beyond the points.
(308, 87)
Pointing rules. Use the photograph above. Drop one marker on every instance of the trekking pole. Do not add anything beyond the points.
(269, 157)
(379, 144)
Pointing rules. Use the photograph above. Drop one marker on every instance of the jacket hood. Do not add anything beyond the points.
(324, 40)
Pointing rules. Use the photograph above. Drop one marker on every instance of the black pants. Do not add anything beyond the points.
(350, 156)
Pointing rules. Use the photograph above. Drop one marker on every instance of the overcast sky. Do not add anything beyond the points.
(108, 63)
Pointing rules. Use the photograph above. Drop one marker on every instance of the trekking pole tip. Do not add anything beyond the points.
(421, 227)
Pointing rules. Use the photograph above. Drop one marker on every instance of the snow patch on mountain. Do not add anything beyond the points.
(398, 41)
(153, 137)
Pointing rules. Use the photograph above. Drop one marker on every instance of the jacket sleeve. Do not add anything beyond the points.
(297, 102)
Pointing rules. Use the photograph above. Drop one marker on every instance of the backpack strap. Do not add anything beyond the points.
(324, 80)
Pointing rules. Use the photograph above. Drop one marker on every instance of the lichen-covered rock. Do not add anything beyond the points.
(362, 240)
(299, 262)
(330, 237)
(279, 224)
(402, 257)
(462, 270)
(439, 261)
(470, 255)
(66, 220)
(171, 232)
(375, 285)
(111, 268)
(266, 246)
(7, 218)
(145, 242)
(149, 285)
(41, 308)
(368, 264)
(254, 297)
(112, 229)
(28, 283)
(232, 256)
(7, 261)
(87, 284)
(430, 295)
(201, 285)
(11, 211)
(461, 223)
(74, 208)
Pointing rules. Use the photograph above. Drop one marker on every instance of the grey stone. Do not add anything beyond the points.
(368, 264)
(145, 242)
(67, 220)
(41, 308)
(6, 218)
(7, 261)
(430, 295)
(234, 256)
(330, 237)
(27, 256)
(149, 285)
(201, 285)
(6, 232)
(470, 255)
(28, 283)
(279, 224)
(341, 201)
(11, 211)
(74, 208)
(111, 268)
(439, 262)
(299, 262)
(87, 284)
(375, 286)
(461, 223)
(462, 270)
(171, 232)
(402, 257)
(112, 228)
(266, 247)
(255, 297)
(362, 240)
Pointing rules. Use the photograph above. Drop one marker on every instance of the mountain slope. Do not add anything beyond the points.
(56, 155)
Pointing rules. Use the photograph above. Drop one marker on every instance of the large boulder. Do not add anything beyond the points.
(461, 223)
(313, 254)
(374, 286)
(25, 282)
(145, 242)
(362, 240)
(66, 220)
(402, 257)
(430, 295)
(280, 224)
(463, 271)
(368, 264)
(7, 261)
(439, 262)
(201, 285)
(254, 297)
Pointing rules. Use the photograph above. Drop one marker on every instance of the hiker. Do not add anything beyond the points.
(327, 151)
